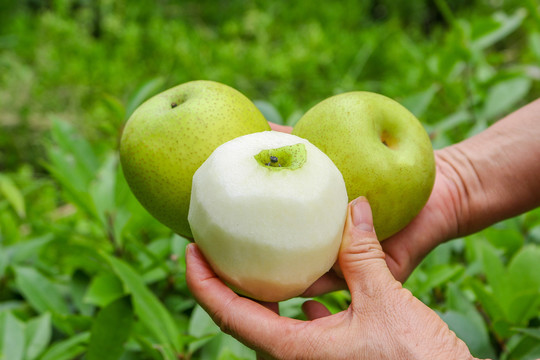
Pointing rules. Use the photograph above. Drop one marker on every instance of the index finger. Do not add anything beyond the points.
(281, 128)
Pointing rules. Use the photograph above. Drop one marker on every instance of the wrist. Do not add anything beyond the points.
(494, 175)
(462, 184)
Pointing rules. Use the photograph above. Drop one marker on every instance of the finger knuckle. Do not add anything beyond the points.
(224, 321)
(363, 247)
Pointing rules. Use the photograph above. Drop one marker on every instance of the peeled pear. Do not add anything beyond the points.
(267, 211)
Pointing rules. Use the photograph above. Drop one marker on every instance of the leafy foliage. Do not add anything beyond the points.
(85, 272)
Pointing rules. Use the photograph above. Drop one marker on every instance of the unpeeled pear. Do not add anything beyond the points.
(169, 136)
(267, 211)
(381, 149)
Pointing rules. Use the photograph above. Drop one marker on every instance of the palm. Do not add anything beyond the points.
(406, 249)
(433, 225)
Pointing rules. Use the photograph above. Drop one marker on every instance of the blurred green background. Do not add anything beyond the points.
(86, 273)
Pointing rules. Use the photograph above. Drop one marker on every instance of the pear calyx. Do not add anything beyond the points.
(289, 157)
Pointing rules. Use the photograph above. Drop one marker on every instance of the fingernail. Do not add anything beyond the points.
(190, 249)
(361, 214)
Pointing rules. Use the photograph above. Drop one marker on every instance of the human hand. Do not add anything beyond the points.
(436, 223)
(384, 320)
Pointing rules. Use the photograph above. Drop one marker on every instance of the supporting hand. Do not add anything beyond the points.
(384, 320)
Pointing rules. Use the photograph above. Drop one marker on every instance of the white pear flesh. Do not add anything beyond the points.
(268, 232)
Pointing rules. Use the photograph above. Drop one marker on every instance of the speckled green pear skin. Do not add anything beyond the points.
(382, 151)
(170, 135)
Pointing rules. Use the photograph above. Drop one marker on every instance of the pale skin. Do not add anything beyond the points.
(489, 177)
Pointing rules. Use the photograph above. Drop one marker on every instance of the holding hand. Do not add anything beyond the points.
(384, 320)
(406, 249)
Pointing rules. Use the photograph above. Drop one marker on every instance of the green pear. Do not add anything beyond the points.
(170, 135)
(268, 210)
(382, 150)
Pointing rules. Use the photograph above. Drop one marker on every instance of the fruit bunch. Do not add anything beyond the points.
(267, 209)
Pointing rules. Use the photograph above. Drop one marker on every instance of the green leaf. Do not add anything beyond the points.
(452, 121)
(212, 342)
(72, 323)
(480, 125)
(441, 255)
(29, 249)
(534, 44)
(522, 274)
(130, 215)
(116, 107)
(508, 240)
(67, 349)
(418, 103)
(466, 321)
(120, 219)
(77, 288)
(39, 291)
(504, 96)
(104, 289)
(524, 269)
(523, 307)
(102, 188)
(85, 162)
(151, 351)
(12, 337)
(292, 308)
(13, 195)
(502, 328)
(73, 163)
(487, 299)
(532, 332)
(439, 275)
(524, 346)
(293, 118)
(269, 111)
(145, 91)
(201, 324)
(111, 330)
(335, 301)
(363, 54)
(201, 327)
(166, 353)
(4, 260)
(225, 347)
(61, 166)
(12, 305)
(9, 227)
(533, 353)
(474, 334)
(61, 170)
(503, 26)
(148, 308)
(496, 274)
(38, 334)
(457, 301)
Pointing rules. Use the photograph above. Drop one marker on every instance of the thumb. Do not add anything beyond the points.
(361, 256)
